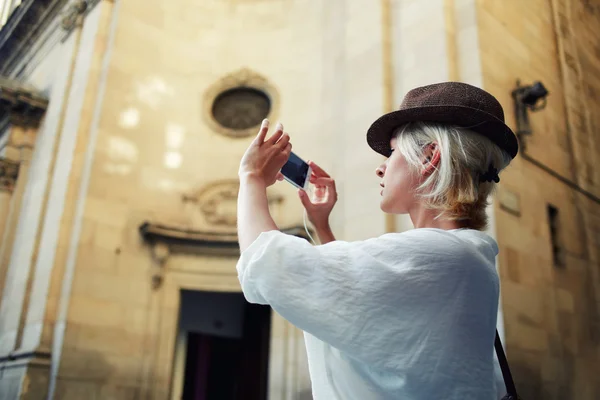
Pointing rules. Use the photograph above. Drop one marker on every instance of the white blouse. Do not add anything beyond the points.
(407, 315)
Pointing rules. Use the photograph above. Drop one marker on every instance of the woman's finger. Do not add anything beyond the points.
(283, 141)
(318, 170)
(284, 153)
(305, 199)
(328, 182)
(262, 132)
(313, 178)
(276, 135)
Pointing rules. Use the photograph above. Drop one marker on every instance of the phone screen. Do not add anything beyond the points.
(296, 170)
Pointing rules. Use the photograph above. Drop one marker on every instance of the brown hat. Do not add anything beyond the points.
(452, 103)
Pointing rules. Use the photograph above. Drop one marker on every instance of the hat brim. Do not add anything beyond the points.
(380, 132)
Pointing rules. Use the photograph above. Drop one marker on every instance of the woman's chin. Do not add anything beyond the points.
(391, 208)
(385, 206)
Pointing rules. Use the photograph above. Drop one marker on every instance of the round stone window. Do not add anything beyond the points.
(241, 108)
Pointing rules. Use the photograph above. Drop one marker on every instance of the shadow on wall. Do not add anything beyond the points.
(528, 378)
(88, 375)
(305, 395)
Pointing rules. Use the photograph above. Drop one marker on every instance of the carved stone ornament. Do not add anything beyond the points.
(236, 104)
(218, 202)
(9, 171)
(21, 102)
(21, 138)
(160, 254)
(72, 14)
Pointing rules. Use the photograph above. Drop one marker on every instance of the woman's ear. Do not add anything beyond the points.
(430, 159)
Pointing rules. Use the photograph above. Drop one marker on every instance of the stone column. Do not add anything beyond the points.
(19, 149)
(5, 196)
(8, 177)
(25, 108)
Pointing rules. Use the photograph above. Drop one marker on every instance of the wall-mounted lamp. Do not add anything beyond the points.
(532, 98)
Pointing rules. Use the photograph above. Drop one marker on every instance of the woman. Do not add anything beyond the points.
(407, 315)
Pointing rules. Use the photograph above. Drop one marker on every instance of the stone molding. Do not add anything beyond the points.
(244, 77)
(206, 242)
(24, 105)
(32, 19)
(166, 240)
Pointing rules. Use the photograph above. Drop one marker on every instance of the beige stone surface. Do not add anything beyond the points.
(548, 308)
(139, 140)
(155, 146)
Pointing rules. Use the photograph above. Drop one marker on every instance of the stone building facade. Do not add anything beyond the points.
(122, 124)
(548, 228)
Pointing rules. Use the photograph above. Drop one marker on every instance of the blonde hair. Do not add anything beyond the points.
(454, 188)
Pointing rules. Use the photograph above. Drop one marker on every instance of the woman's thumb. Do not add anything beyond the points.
(304, 198)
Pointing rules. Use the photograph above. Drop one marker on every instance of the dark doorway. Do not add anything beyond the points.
(230, 368)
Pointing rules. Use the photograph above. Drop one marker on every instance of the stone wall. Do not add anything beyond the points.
(43, 67)
(154, 152)
(128, 138)
(550, 311)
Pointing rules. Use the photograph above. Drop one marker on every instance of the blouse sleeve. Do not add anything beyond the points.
(344, 293)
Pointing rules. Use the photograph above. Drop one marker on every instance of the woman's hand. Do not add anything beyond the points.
(324, 198)
(264, 158)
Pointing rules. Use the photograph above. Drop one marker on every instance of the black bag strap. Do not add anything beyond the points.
(508, 380)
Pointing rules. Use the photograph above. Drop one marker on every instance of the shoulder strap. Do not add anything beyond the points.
(508, 380)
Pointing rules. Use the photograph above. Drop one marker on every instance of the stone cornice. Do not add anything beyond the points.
(22, 103)
(165, 240)
(25, 25)
(206, 242)
(29, 22)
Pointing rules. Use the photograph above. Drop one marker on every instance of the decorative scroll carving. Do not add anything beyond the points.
(218, 202)
(23, 103)
(244, 78)
(9, 171)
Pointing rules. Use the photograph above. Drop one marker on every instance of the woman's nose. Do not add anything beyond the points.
(380, 171)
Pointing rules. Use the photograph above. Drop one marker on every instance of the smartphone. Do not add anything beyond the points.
(297, 172)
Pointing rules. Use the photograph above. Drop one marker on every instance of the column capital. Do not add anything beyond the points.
(73, 16)
(24, 105)
(9, 171)
(22, 137)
